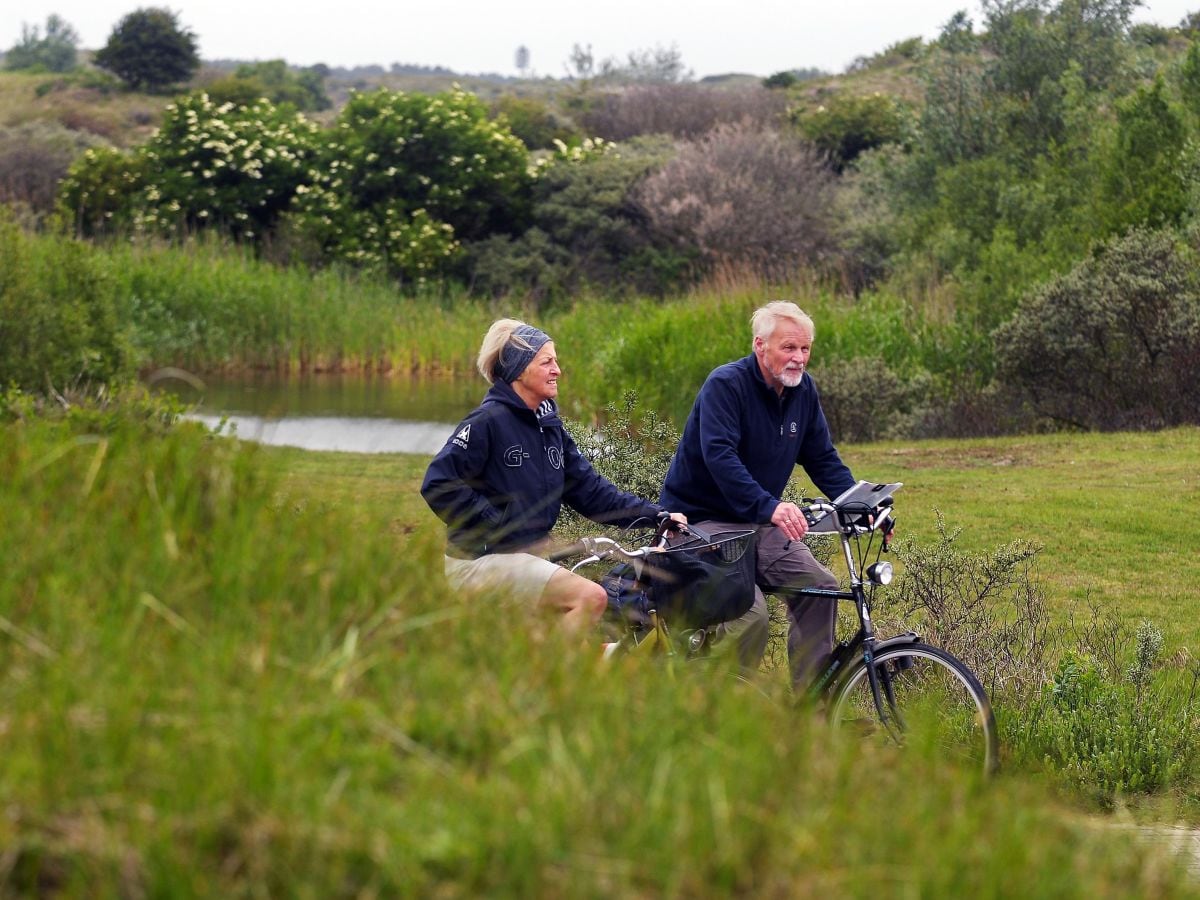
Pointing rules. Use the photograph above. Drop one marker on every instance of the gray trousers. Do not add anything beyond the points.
(782, 565)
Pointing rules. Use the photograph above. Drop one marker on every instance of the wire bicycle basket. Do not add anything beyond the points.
(705, 579)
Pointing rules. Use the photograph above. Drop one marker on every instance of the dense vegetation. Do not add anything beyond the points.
(957, 189)
(210, 690)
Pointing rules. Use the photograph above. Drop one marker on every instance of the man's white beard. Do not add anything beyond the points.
(791, 377)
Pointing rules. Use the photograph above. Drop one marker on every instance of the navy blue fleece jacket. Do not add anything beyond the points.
(502, 477)
(741, 443)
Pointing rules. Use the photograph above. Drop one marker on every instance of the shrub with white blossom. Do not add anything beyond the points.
(233, 167)
(402, 178)
(236, 166)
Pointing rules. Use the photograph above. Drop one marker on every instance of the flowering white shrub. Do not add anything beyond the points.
(236, 167)
(98, 194)
(239, 166)
(396, 183)
(402, 178)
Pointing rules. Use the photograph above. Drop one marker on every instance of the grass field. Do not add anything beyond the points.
(231, 670)
(1114, 513)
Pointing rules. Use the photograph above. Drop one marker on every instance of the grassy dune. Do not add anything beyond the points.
(235, 671)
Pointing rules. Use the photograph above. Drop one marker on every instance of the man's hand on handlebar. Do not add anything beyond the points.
(789, 518)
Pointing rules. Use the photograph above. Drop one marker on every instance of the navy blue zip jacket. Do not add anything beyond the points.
(502, 477)
(741, 443)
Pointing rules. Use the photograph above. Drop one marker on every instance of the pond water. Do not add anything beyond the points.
(330, 412)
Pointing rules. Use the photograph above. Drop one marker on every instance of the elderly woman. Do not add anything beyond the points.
(503, 475)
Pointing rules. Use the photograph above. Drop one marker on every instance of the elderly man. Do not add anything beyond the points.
(753, 421)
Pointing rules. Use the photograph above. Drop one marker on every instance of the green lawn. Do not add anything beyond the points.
(1117, 515)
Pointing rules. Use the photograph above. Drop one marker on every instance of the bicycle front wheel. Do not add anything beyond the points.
(926, 696)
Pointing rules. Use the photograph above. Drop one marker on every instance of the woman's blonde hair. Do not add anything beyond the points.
(499, 336)
(766, 318)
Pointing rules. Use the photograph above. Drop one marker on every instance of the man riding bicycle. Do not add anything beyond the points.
(753, 421)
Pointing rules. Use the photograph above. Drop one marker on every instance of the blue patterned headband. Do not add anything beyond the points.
(514, 358)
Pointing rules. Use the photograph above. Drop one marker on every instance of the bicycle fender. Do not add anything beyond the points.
(906, 639)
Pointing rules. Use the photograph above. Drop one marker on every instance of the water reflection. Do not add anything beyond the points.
(330, 412)
(354, 435)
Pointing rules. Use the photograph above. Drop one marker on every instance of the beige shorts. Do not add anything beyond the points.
(520, 575)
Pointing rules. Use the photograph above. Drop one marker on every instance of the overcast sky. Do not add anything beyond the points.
(757, 37)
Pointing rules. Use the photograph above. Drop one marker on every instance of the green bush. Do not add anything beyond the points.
(1189, 79)
(586, 229)
(1110, 734)
(302, 89)
(101, 191)
(59, 326)
(402, 178)
(534, 121)
(1142, 179)
(865, 400)
(845, 126)
(1113, 344)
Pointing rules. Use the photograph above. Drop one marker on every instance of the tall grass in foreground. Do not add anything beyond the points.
(207, 689)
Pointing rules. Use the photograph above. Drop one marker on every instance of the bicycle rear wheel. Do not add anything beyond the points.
(927, 695)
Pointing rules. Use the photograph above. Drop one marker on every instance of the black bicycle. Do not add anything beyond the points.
(898, 690)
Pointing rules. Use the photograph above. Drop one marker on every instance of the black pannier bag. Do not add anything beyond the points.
(628, 595)
(698, 583)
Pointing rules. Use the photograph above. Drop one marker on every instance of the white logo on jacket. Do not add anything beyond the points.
(555, 456)
(462, 438)
(514, 456)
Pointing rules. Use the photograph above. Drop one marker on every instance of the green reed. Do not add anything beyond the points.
(208, 305)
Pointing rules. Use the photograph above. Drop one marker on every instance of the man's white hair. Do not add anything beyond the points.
(766, 318)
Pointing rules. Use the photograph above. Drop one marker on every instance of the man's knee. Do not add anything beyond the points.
(750, 631)
(757, 619)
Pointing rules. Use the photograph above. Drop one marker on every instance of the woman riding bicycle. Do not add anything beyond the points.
(502, 477)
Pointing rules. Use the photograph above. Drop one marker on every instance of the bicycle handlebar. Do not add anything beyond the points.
(576, 549)
(852, 517)
(597, 548)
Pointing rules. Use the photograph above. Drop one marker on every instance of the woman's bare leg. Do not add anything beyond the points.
(581, 601)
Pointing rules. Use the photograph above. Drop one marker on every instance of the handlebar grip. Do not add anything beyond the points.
(576, 549)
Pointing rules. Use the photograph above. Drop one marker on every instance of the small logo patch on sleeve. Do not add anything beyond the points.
(462, 438)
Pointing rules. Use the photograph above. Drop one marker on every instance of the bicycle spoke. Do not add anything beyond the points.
(931, 701)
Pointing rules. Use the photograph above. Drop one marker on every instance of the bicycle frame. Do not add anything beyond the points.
(863, 641)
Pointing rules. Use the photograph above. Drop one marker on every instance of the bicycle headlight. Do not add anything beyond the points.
(880, 573)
